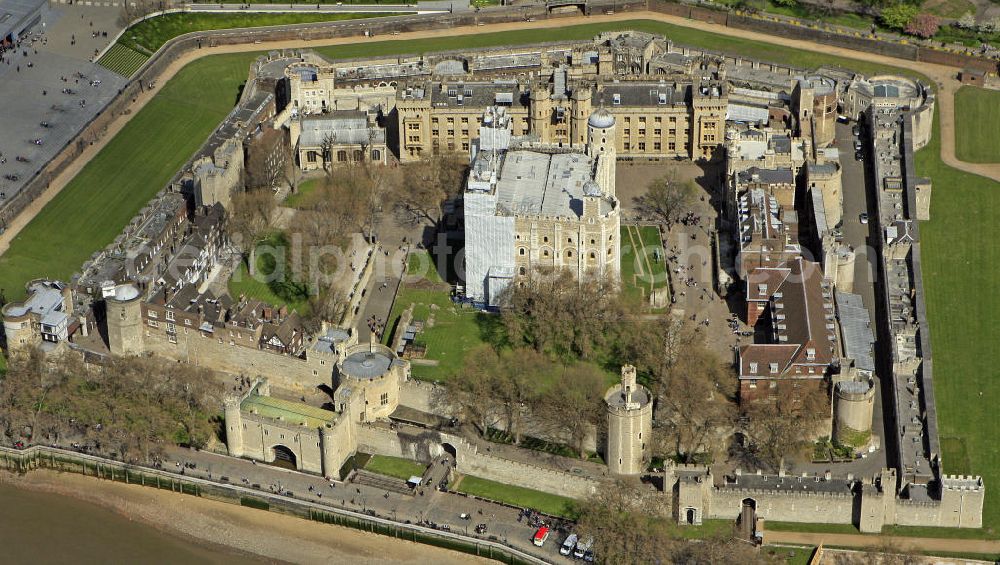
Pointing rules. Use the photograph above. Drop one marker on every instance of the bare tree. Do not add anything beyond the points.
(667, 199)
(250, 220)
(574, 408)
(560, 315)
(785, 423)
(473, 389)
(427, 185)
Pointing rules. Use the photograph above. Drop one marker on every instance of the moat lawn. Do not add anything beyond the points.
(395, 467)
(551, 504)
(977, 125)
(960, 253)
(149, 35)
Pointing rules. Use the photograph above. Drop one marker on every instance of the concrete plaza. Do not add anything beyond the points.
(32, 83)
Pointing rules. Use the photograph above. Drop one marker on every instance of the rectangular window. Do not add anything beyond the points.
(170, 315)
(385, 398)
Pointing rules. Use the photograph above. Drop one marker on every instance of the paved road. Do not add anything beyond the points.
(443, 508)
(311, 8)
(902, 543)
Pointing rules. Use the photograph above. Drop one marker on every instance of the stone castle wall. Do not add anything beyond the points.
(283, 371)
(424, 445)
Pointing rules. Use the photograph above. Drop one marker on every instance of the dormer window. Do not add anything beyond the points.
(811, 354)
(762, 289)
(773, 368)
(753, 367)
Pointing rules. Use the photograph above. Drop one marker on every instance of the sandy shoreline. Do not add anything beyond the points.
(267, 535)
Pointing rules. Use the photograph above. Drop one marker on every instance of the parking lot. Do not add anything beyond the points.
(50, 90)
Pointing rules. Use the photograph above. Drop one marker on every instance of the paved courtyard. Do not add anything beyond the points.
(32, 83)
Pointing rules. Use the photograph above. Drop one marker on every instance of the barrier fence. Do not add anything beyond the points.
(56, 459)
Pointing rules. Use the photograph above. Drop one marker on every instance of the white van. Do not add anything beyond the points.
(568, 545)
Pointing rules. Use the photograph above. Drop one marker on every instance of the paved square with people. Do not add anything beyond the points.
(51, 89)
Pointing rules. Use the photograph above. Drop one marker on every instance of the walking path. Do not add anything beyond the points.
(901, 543)
(944, 77)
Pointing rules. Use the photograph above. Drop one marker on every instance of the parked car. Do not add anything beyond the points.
(864, 217)
(569, 544)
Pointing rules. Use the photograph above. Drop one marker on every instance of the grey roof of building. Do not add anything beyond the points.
(475, 95)
(549, 184)
(639, 94)
(781, 175)
(343, 127)
(781, 144)
(13, 14)
(856, 328)
(366, 364)
(43, 299)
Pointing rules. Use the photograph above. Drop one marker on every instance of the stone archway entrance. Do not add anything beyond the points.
(284, 457)
(691, 517)
(450, 450)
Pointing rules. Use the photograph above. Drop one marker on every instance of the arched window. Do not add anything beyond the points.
(569, 253)
(521, 251)
(545, 253)
(359, 155)
(522, 271)
(342, 156)
(376, 155)
(593, 255)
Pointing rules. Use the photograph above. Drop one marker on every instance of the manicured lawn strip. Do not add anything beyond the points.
(977, 125)
(551, 504)
(304, 195)
(810, 528)
(91, 210)
(960, 255)
(122, 60)
(421, 266)
(395, 467)
(149, 35)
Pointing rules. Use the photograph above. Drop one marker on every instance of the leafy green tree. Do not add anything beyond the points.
(898, 16)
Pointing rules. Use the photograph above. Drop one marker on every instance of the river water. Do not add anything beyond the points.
(38, 527)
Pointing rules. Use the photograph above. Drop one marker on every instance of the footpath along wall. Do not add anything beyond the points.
(44, 457)
(908, 51)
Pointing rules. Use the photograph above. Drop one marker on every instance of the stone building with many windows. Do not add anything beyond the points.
(532, 206)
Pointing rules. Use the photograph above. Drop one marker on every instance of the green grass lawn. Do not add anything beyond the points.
(122, 60)
(395, 467)
(305, 195)
(552, 504)
(977, 125)
(281, 291)
(959, 256)
(643, 265)
(949, 8)
(456, 330)
(149, 35)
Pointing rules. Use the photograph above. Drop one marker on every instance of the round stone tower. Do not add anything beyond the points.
(630, 423)
(374, 370)
(853, 403)
(234, 426)
(601, 133)
(124, 320)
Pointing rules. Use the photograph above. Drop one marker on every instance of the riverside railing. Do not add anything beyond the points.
(57, 459)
